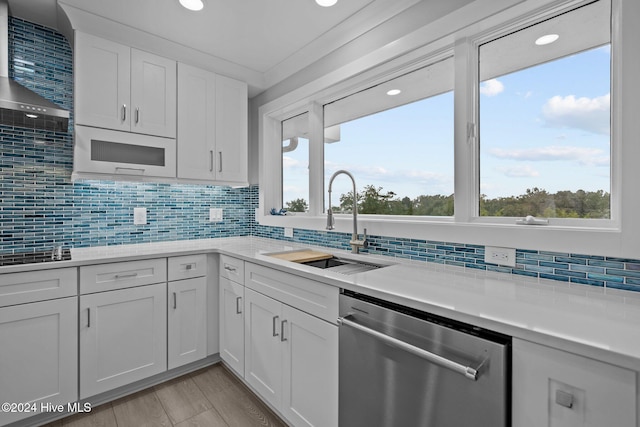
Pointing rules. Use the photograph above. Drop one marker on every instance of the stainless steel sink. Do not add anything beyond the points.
(344, 265)
(333, 263)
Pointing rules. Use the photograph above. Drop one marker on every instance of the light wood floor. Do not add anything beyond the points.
(211, 397)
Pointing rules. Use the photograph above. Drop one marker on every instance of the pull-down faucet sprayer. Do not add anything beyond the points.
(355, 242)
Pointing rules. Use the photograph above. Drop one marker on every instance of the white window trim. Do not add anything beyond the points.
(613, 237)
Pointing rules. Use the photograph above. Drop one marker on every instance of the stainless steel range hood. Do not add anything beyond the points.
(20, 106)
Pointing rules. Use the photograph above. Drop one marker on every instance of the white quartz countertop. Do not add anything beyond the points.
(603, 324)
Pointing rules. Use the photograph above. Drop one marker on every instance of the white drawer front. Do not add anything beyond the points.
(119, 275)
(30, 286)
(187, 267)
(315, 298)
(232, 269)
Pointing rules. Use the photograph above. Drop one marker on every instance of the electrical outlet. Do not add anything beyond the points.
(215, 215)
(139, 216)
(288, 232)
(500, 256)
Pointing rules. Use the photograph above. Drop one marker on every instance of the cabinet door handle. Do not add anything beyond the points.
(275, 322)
(88, 317)
(175, 301)
(220, 166)
(564, 399)
(124, 112)
(282, 338)
(125, 276)
(238, 305)
(137, 114)
(210, 160)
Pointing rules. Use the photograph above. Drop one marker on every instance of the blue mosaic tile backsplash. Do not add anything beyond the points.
(40, 207)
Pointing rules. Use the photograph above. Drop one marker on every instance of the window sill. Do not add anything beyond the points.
(565, 239)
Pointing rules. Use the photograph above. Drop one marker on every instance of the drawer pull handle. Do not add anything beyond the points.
(189, 266)
(88, 317)
(282, 338)
(275, 322)
(238, 305)
(126, 276)
(175, 301)
(229, 268)
(564, 399)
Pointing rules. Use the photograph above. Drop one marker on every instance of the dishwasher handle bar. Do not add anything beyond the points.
(468, 372)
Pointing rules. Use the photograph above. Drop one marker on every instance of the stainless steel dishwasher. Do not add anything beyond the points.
(401, 367)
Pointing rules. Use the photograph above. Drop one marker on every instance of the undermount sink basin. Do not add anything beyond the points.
(343, 265)
(327, 261)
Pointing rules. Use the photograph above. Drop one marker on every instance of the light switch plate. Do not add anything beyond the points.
(139, 216)
(215, 215)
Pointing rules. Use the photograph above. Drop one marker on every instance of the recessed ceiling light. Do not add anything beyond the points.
(192, 4)
(326, 3)
(393, 92)
(547, 39)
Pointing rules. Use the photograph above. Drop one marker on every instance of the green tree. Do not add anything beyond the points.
(297, 205)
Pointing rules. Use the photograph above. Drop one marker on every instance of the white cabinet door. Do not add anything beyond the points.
(123, 89)
(38, 355)
(263, 348)
(196, 123)
(102, 83)
(123, 337)
(153, 94)
(310, 370)
(212, 126)
(231, 130)
(232, 324)
(558, 389)
(187, 320)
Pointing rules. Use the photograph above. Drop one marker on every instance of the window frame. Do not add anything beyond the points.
(612, 237)
(613, 223)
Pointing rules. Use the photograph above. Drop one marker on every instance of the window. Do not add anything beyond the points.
(396, 138)
(545, 137)
(512, 128)
(295, 163)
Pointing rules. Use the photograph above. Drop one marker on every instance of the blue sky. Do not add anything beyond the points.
(545, 126)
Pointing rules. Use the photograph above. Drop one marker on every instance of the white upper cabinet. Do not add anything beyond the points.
(212, 126)
(231, 129)
(120, 88)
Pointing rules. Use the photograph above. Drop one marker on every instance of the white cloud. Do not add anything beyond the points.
(582, 155)
(491, 87)
(291, 163)
(589, 114)
(519, 172)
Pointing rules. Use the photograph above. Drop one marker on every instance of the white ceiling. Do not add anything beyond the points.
(264, 36)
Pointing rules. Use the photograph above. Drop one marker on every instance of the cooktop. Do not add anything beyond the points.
(33, 257)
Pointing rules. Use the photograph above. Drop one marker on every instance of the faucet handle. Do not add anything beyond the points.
(365, 242)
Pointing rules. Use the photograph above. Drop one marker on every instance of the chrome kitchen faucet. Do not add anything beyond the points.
(355, 242)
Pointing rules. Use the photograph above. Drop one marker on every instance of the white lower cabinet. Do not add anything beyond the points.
(187, 320)
(232, 324)
(38, 355)
(558, 389)
(310, 372)
(291, 360)
(123, 337)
